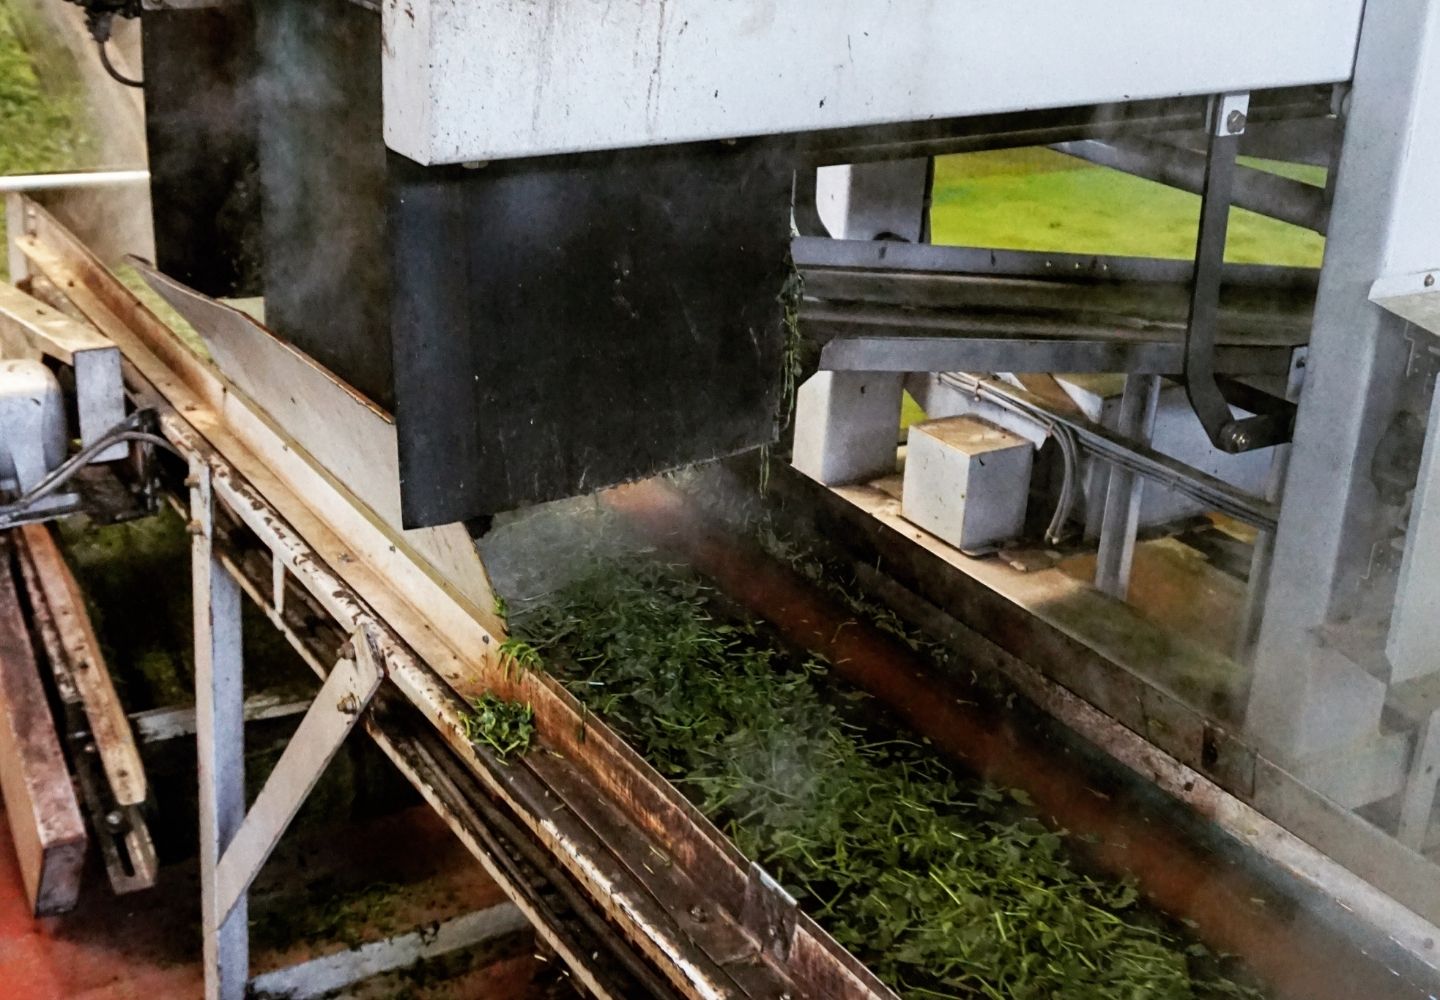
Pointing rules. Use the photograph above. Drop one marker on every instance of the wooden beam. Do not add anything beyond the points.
(40, 801)
(30, 328)
(45, 330)
(80, 650)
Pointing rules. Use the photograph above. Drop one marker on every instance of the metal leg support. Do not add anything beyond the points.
(235, 845)
(343, 697)
(1122, 500)
(220, 743)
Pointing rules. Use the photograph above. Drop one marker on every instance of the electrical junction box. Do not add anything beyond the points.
(967, 481)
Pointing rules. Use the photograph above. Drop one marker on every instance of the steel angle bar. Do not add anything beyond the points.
(219, 743)
(815, 253)
(986, 351)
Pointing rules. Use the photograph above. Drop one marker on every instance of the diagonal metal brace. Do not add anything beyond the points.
(1209, 396)
(336, 710)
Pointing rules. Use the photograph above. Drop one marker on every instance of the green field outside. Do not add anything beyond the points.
(1037, 199)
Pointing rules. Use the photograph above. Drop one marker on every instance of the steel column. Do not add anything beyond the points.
(1138, 406)
(1384, 220)
(219, 741)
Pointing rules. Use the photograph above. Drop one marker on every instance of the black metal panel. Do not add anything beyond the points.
(322, 170)
(569, 323)
(200, 124)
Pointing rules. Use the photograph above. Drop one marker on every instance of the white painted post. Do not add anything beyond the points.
(219, 740)
(1121, 519)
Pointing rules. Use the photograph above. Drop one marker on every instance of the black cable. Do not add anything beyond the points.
(115, 74)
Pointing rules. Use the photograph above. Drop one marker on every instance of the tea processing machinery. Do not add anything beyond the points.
(512, 251)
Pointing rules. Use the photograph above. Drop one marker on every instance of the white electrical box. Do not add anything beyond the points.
(967, 481)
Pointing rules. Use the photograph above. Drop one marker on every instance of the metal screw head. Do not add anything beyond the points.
(1429, 280)
(114, 820)
(1240, 440)
(1235, 121)
(699, 914)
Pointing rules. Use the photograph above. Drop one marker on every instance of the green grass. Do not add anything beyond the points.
(1037, 199)
(42, 124)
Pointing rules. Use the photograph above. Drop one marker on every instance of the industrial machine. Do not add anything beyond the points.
(514, 252)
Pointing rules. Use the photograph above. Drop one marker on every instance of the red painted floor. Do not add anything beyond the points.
(146, 946)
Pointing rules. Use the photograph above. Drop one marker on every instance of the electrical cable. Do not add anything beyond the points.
(1216, 497)
(126, 430)
(115, 74)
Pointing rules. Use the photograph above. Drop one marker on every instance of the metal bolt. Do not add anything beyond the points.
(349, 704)
(115, 820)
(1429, 280)
(1235, 121)
(90, 748)
(699, 914)
(1240, 440)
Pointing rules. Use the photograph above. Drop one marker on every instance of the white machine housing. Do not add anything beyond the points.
(478, 80)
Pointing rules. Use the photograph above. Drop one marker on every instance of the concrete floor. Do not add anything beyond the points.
(323, 891)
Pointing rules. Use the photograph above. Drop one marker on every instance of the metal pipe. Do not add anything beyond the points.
(24, 183)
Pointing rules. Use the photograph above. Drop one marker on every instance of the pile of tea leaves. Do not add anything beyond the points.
(945, 886)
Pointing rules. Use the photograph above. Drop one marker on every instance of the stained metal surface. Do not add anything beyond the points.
(621, 317)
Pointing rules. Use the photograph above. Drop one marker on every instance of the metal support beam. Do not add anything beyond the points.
(1207, 397)
(329, 974)
(219, 741)
(343, 697)
(1138, 407)
(1278, 197)
(1383, 221)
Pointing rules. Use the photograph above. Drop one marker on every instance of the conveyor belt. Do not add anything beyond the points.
(707, 921)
